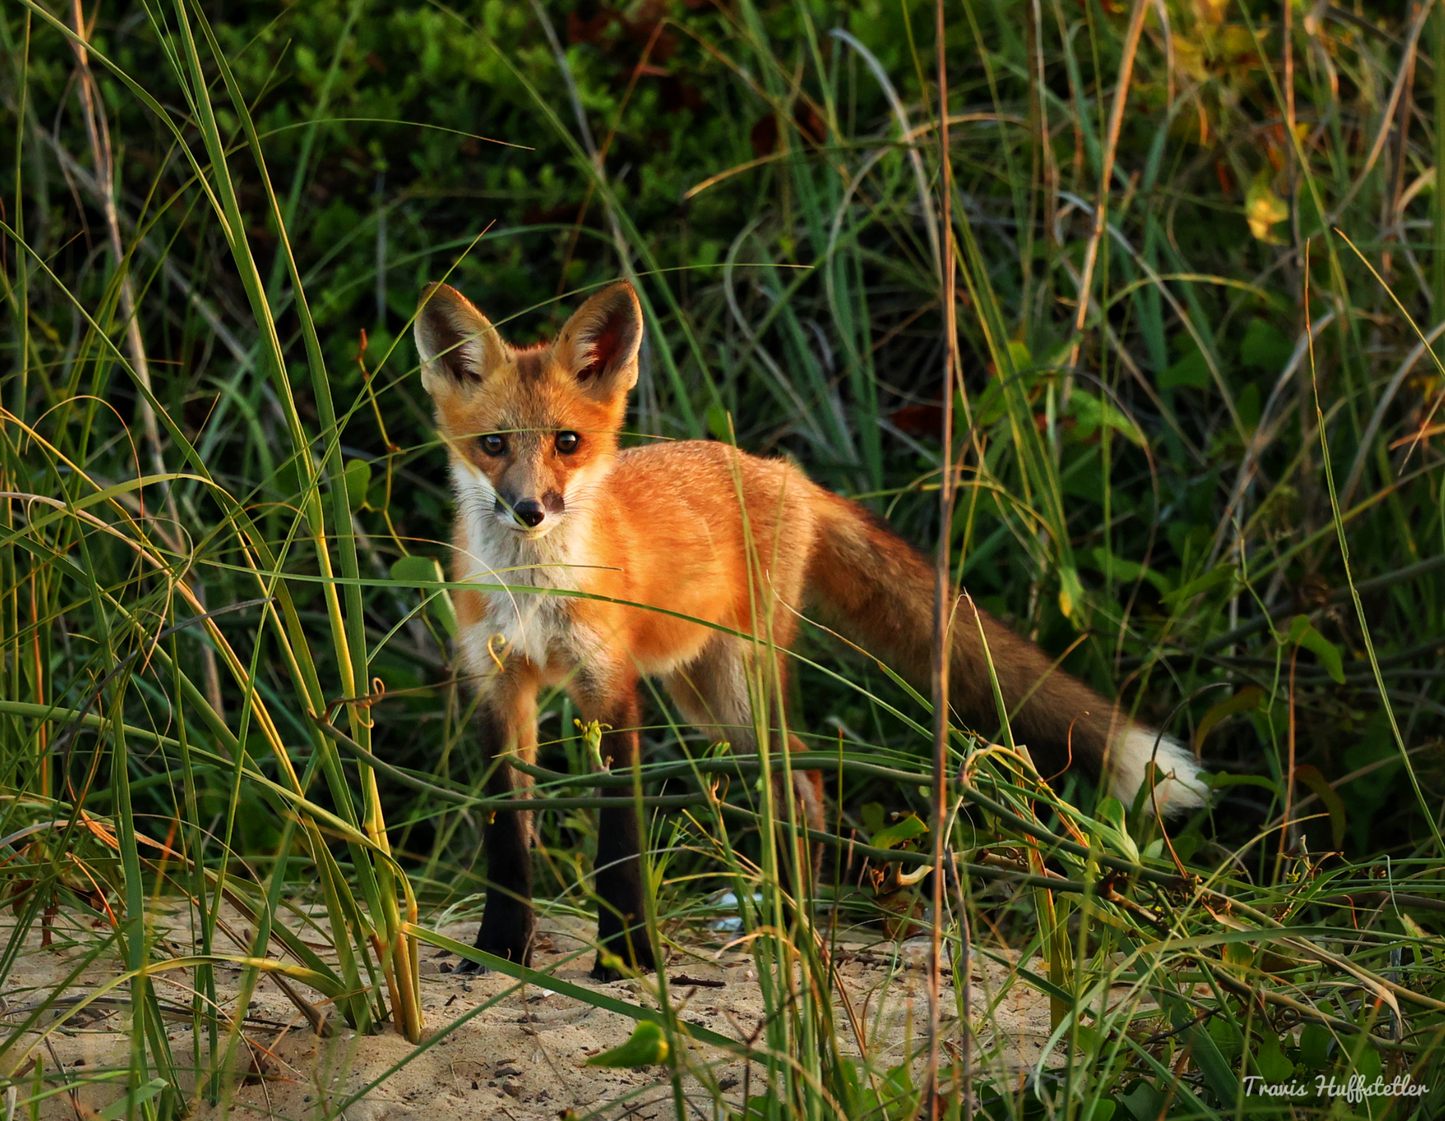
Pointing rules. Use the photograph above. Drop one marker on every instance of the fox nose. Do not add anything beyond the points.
(529, 512)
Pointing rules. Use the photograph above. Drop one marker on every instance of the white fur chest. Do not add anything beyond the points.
(520, 621)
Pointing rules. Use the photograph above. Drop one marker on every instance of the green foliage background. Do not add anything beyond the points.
(398, 136)
(1194, 499)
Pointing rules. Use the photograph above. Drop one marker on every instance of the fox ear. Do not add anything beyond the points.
(599, 344)
(457, 343)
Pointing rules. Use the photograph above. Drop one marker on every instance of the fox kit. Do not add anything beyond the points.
(700, 531)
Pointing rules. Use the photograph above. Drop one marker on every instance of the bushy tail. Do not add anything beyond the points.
(880, 589)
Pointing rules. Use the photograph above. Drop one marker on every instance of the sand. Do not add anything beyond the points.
(494, 1047)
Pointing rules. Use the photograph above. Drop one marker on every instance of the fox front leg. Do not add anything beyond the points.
(622, 912)
(508, 921)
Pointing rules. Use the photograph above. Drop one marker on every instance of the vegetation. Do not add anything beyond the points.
(1197, 425)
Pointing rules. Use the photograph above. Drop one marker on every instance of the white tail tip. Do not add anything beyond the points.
(1181, 789)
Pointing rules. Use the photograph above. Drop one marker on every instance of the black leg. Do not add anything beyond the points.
(622, 914)
(508, 923)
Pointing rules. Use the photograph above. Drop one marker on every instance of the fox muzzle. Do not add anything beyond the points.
(529, 513)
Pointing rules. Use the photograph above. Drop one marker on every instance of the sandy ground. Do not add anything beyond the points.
(494, 1048)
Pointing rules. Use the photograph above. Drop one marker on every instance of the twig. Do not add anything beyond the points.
(942, 589)
(1106, 174)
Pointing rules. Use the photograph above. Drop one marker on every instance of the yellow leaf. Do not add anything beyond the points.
(1238, 957)
(1071, 591)
(1210, 11)
(1263, 209)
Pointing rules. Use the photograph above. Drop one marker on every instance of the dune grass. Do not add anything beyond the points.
(1194, 451)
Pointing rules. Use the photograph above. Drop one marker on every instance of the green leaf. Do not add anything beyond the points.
(1314, 1047)
(424, 571)
(420, 571)
(358, 478)
(1144, 1102)
(1190, 371)
(1225, 1036)
(127, 1103)
(1109, 827)
(1224, 574)
(1248, 698)
(1071, 590)
(646, 1047)
(1311, 777)
(1126, 571)
(1369, 1065)
(900, 832)
(1248, 407)
(1301, 633)
(1270, 1061)
(1218, 1075)
(899, 1096)
(717, 423)
(1265, 347)
(1094, 413)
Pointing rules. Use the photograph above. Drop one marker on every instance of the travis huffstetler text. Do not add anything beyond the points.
(1355, 1090)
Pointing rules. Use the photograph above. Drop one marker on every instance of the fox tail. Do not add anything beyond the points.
(880, 591)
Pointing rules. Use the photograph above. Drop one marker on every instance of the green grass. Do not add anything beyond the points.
(1196, 451)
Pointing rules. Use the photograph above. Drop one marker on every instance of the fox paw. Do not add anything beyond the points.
(511, 945)
(606, 969)
(604, 973)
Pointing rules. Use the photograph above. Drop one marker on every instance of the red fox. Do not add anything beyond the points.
(702, 531)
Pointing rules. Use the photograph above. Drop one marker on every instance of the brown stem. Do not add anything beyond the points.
(942, 599)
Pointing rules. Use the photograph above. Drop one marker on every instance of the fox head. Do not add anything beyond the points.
(529, 431)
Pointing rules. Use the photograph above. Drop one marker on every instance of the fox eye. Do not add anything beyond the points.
(567, 442)
(493, 444)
